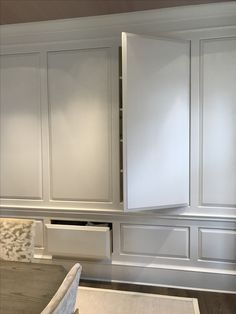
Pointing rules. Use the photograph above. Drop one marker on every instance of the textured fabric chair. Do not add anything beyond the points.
(64, 300)
(17, 239)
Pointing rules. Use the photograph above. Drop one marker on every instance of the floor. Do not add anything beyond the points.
(209, 302)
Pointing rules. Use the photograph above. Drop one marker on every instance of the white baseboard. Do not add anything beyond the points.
(178, 278)
(192, 279)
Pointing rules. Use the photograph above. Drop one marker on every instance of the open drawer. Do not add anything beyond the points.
(89, 242)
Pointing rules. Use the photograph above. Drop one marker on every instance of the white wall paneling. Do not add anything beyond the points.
(217, 244)
(156, 101)
(218, 93)
(155, 240)
(21, 154)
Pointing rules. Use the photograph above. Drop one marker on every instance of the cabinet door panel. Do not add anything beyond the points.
(21, 159)
(219, 121)
(156, 122)
(80, 126)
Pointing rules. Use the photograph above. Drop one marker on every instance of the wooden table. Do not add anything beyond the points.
(26, 288)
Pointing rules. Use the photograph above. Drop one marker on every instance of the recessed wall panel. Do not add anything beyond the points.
(20, 123)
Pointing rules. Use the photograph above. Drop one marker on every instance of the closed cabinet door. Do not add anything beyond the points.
(218, 127)
(80, 125)
(156, 82)
(58, 141)
(20, 127)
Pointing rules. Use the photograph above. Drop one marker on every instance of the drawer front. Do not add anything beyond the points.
(78, 241)
(217, 245)
(155, 241)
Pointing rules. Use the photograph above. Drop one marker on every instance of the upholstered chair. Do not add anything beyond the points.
(64, 300)
(17, 239)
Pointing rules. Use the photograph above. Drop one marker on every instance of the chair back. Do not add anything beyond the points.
(17, 239)
(64, 300)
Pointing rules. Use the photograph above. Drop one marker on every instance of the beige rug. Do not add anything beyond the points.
(104, 301)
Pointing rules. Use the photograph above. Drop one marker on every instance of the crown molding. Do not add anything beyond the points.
(149, 21)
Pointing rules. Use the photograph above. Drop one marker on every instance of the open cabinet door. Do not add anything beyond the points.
(156, 100)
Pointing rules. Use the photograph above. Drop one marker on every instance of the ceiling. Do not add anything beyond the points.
(21, 11)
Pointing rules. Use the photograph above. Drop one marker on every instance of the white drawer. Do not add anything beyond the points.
(217, 245)
(162, 241)
(78, 241)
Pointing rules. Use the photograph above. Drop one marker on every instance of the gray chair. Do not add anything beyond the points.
(17, 239)
(64, 300)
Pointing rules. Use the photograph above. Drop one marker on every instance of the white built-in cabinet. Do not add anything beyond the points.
(67, 99)
(59, 126)
(60, 130)
(86, 134)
